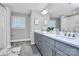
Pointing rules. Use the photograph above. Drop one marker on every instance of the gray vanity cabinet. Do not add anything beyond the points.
(51, 47)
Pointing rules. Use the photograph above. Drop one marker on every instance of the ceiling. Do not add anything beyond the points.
(59, 9)
(54, 9)
(25, 7)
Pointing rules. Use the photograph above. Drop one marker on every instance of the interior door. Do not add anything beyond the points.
(3, 27)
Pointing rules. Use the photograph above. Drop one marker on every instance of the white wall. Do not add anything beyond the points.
(42, 25)
(33, 15)
(44, 21)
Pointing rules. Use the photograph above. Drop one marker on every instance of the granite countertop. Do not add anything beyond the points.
(71, 41)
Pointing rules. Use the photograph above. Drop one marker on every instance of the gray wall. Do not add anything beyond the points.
(21, 33)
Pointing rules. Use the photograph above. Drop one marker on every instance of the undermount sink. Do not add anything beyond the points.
(44, 31)
(72, 38)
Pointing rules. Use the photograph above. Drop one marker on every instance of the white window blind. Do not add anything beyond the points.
(18, 22)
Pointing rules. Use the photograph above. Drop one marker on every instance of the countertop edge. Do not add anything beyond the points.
(65, 42)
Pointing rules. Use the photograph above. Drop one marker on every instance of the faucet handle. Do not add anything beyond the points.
(69, 34)
(74, 35)
(65, 33)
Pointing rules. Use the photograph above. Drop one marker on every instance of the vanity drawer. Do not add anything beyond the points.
(49, 40)
(59, 53)
(67, 49)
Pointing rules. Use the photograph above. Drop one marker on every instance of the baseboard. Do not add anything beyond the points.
(32, 42)
(19, 40)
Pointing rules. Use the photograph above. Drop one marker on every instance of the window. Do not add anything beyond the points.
(18, 22)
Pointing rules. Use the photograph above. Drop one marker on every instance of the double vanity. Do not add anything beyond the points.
(55, 45)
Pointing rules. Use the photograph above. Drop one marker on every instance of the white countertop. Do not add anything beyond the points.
(71, 41)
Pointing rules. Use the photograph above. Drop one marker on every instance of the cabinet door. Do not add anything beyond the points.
(47, 46)
(39, 41)
(36, 39)
(50, 50)
(67, 49)
(43, 47)
(59, 53)
(47, 50)
(49, 40)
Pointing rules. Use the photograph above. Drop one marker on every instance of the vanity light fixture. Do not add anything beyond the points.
(44, 12)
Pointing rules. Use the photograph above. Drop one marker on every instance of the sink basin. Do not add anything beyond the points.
(45, 32)
(72, 38)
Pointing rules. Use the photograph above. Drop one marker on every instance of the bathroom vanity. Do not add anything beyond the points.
(54, 45)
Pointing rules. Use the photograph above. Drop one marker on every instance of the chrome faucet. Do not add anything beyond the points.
(74, 35)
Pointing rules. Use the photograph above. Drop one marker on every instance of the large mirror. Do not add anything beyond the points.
(70, 23)
(65, 23)
(54, 23)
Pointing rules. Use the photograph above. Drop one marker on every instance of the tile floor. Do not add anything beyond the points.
(26, 49)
